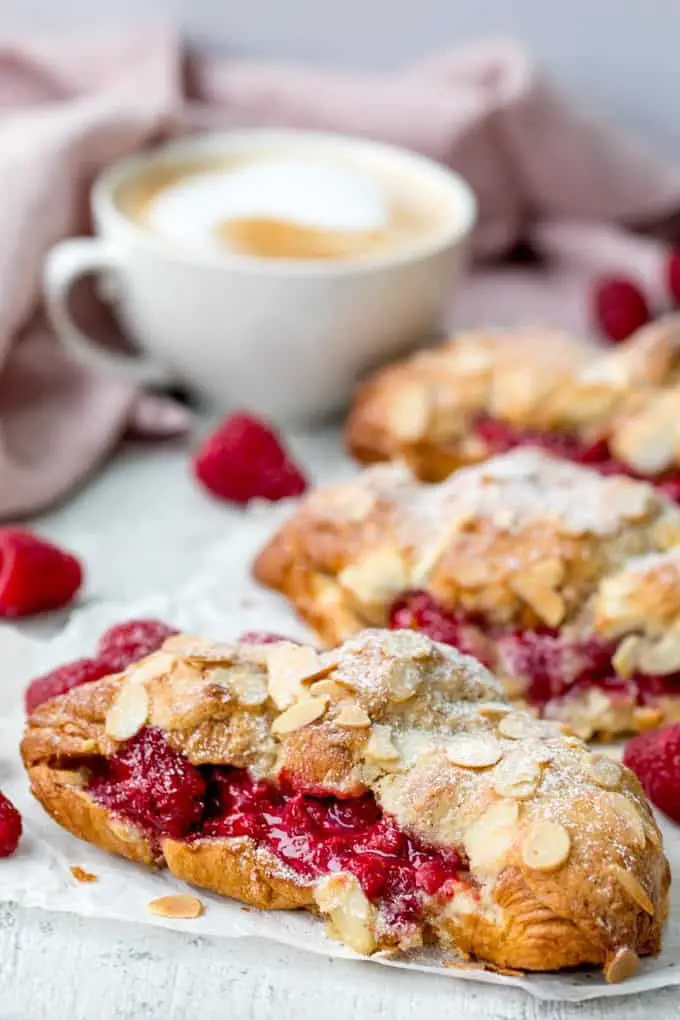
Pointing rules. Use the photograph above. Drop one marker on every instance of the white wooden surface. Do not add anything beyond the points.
(141, 526)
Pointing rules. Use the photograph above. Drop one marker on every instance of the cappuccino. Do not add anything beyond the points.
(272, 205)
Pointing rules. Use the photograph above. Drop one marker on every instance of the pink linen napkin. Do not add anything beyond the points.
(544, 172)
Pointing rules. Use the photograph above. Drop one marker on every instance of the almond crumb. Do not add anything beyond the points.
(81, 875)
(181, 907)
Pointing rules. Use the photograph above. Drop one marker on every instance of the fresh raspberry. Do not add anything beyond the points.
(654, 757)
(10, 827)
(619, 307)
(62, 679)
(673, 275)
(34, 574)
(132, 640)
(550, 665)
(243, 459)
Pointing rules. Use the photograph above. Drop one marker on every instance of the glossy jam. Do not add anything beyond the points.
(551, 665)
(157, 788)
(500, 436)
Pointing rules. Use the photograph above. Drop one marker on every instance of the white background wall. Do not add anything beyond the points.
(623, 56)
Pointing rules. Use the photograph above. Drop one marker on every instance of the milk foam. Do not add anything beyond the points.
(314, 194)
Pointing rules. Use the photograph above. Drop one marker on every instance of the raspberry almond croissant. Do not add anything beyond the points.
(385, 785)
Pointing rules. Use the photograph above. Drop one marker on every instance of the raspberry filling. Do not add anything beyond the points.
(157, 788)
(551, 665)
(500, 437)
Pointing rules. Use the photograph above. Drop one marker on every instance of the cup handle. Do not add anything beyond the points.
(65, 263)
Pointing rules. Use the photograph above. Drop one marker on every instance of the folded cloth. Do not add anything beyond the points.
(545, 173)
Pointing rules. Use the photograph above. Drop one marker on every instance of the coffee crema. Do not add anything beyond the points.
(283, 206)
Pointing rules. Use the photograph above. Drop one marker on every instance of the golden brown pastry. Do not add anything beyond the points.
(485, 391)
(565, 582)
(385, 785)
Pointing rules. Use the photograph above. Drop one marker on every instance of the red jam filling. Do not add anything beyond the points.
(500, 436)
(551, 666)
(159, 790)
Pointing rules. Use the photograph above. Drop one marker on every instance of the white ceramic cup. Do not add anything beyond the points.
(282, 337)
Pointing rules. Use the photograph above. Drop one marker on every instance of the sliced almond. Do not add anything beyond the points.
(70, 777)
(494, 710)
(519, 726)
(625, 658)
(605, 772)
(180, 907)
(351, 915)
(377, 577)
(663, 657)
(646, 718)
(517, 779)
(290, 666)
(636, 892)
(652, 833)
(379, 747)
(546, 846)
(248, 683)
(351, 714)
(539, 594)
(488, 839)
(156, 665)
(328, 686)
(474, 750)
(631, 818)
(409, 412)
(298, 715)
(622, 965)
(123, 831)
(128, 713)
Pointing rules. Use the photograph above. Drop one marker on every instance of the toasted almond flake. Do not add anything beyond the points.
(490, 837)
(546, 846)
(123, 831)
(625, 658)
(180, 907)
(409, 412)
(652, 833)
(622, 965)
(663, 657)
(631, 818)
(128, 713)
(377, 577)
(474, 750)
(81, 875)
(646, 717)
(290, 667)
(298, 715)
(494, 710)
(248, 683)
(351, 915)
(329, 687)
(605, 772)
(156, 665)
(517, 779)
(634, 889)
(541, 597)
(519, 726)
(379, 747)
(352, 714)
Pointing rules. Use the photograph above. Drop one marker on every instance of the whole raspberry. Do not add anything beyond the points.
(654, 757)
(619, 307)
(243, 459)
(34, 574)
(132, 640)
(10, 827)
(673, 275)
(62, 679)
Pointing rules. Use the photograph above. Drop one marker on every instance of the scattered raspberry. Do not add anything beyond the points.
(619, 307)
(132, 640)
(63, 679)
(673, 275)
(34, 574)
(10, 827)
(243, 459)
(654, 757)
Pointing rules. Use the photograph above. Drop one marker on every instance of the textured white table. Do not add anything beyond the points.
(142, 526)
